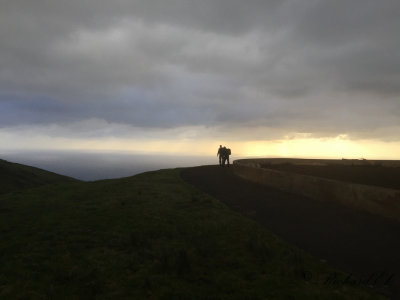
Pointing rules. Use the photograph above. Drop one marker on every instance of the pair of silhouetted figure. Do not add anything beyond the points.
(223, 154)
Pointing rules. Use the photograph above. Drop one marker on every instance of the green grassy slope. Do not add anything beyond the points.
(147, 236)
(15, 176)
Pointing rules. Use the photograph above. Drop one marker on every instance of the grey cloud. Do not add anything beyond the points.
(324, 67)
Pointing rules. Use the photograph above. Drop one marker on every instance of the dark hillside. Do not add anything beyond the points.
(150, 236)
(15, 176)
(346, 238)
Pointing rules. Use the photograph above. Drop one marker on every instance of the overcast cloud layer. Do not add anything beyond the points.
(112, 67)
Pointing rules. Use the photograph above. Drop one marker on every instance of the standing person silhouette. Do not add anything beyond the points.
(225, 155)
(220, 154)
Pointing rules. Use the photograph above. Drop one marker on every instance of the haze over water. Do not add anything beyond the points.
(102, 165)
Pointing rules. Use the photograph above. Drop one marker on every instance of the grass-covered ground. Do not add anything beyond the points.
(15, 176)
(150, 236)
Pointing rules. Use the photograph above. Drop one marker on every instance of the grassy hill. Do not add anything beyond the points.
(15, 176)
(150, 236)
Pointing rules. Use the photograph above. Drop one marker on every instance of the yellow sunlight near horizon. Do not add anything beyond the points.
(335, 148)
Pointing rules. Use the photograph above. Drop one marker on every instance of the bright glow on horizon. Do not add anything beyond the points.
(302, 147)
(336, 148)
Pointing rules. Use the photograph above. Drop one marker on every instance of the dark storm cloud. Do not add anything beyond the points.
(324, 67)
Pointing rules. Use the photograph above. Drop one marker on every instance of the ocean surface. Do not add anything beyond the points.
(91, 166)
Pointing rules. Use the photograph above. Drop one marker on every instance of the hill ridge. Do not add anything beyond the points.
(15, 176)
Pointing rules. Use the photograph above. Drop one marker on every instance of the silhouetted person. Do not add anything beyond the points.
(225, 155)
(219, 154)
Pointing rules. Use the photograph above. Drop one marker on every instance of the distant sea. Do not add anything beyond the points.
(91, 166)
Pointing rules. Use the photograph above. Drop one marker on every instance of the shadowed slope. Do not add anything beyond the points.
(15, 176)
(357, 242)
(150, 236)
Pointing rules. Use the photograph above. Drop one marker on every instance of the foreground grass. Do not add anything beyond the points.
(148, 236)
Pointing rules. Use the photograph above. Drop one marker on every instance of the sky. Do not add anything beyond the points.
(287, 78)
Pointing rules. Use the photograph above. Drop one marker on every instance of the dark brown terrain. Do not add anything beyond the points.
(364, 245)
(388, 177)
